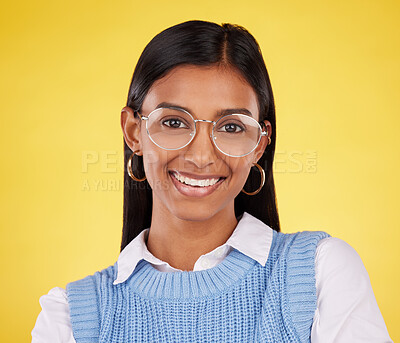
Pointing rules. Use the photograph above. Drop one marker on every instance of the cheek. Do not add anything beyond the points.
(153, 170)
(241, 176)
(156, 162)
(240, 166)
(151, 158)
(239, 173)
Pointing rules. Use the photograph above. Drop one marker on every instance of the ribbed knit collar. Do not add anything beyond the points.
(251, 237)
(152, 283)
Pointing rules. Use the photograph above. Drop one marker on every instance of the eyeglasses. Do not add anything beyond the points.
(173, 128)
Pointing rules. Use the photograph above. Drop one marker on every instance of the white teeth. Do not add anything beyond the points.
(194, 182)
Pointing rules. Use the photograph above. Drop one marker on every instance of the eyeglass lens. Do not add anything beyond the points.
(235, 135)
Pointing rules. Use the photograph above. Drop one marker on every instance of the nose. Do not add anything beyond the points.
(201, 150)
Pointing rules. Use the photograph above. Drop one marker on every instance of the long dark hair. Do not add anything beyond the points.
(201, 43)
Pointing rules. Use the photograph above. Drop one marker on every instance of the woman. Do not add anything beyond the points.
(202, 256)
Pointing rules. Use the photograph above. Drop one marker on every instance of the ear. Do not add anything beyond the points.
(131, 129)
(263, 142)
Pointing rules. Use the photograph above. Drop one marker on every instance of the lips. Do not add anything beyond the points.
(195, 191)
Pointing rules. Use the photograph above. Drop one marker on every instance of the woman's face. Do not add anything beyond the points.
(204, 92)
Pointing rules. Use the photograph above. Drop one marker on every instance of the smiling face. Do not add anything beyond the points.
(204, 92)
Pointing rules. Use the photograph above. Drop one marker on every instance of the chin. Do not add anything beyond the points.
(196, 212)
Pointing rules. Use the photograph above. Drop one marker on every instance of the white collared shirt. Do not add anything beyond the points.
(347, 310)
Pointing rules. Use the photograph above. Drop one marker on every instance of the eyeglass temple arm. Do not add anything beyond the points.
(141, 116)
(263, 133)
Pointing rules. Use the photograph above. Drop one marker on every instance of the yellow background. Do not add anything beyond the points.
(65, 71)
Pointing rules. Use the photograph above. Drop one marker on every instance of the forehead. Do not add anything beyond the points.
(204, 90)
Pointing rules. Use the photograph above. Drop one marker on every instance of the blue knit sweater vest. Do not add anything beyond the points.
(238, 300)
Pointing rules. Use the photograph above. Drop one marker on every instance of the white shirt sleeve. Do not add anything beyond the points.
(347, 310)
(53, 324)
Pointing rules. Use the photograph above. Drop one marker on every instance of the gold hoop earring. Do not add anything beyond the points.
(269, 140)
(129, 168)
(262, 181)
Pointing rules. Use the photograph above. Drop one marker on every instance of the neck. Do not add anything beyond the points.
(181, 238)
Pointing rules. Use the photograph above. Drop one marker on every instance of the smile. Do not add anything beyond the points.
(195, 182)
(195, 187)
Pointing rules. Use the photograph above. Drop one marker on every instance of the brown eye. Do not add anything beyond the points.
(174, 123)
(232, 128)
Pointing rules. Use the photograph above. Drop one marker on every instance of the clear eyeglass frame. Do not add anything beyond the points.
(146, 119)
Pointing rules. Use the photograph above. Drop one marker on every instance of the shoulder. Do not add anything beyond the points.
(335, 258)
(298, 242)
(56, 294)
(294, 254)
(88, 289)
(53, 322)
(84, 300)
(339, 264)
(336, 245)
(93, 281)
(55, 298)
(296, 250)
(346, 308)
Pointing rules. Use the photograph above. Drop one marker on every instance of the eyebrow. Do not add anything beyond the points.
(219, 114)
